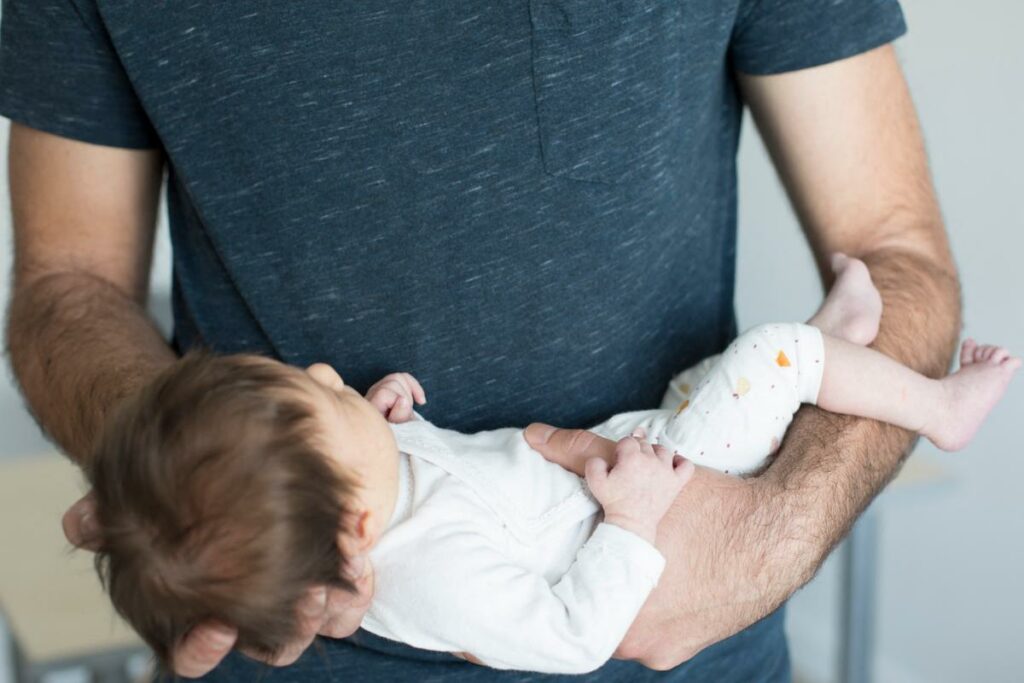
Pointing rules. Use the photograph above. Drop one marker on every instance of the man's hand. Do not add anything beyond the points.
(324, 611)
(393, 396)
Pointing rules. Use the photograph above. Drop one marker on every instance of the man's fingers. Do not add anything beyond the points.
(80, 523)
(288, 655)
(312, 616)
(344, 613)
(343, 625)
(313, 610)
(569, 448)
(202, 649)
(345, 610)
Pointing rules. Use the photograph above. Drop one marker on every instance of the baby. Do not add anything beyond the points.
(231, 485)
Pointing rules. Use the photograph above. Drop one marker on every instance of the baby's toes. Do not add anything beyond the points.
(999, 355)
(982, 352)
(967, 351)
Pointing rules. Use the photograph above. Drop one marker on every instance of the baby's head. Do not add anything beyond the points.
(230, 486)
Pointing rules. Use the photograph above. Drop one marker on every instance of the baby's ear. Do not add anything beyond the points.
(360, 536)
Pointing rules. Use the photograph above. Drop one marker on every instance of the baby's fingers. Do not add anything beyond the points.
(663, 453)
(596, 472)
(383, 398)
(401, 411)
(415, 389)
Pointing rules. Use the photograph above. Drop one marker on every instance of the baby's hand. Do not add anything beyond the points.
(639, 488)
(393, 396)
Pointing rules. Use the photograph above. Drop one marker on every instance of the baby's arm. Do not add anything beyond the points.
(394, 395)
(508, 617)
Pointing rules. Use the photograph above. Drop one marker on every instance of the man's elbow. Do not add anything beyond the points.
(659, 654)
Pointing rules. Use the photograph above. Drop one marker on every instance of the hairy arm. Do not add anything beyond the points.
(846, 142)
(79, 338)
(77, 334)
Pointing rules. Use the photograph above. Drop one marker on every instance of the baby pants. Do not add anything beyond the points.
(731, 411)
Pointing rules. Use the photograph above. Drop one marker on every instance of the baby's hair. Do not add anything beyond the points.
(215, 500)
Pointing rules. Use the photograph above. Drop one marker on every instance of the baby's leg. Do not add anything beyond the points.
(851, 311)
(863, 382)
(853, 308)
(737, 414)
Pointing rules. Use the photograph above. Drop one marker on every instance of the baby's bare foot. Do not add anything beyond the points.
(853, 307)
(970, 393)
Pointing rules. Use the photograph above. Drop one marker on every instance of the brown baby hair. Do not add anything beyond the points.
(215, 500)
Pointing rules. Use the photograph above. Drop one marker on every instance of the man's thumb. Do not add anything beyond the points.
(568, 447)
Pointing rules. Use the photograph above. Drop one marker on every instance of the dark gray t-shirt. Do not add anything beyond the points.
(529, 204)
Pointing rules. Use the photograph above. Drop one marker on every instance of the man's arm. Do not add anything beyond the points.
(846, 142)
(79, 338)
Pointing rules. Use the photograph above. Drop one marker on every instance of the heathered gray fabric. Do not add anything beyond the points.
(529, 204)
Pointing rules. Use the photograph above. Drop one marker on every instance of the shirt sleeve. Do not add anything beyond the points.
(773, 36)
(511, 618)
(59, 73)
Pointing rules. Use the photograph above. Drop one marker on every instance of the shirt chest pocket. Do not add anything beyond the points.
(605, 75)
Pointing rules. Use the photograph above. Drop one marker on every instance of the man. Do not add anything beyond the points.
(529, 205)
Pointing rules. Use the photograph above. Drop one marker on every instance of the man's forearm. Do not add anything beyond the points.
(737, 548)
(832, 466)
(78, 345)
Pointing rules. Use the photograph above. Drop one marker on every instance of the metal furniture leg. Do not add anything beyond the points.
(859, 565)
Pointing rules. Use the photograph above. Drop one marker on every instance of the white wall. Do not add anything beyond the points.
(951, 557)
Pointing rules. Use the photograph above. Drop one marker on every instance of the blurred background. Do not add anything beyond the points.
(949, 548)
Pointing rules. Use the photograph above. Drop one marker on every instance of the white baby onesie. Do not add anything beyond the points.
(494, 551)
(730, 411)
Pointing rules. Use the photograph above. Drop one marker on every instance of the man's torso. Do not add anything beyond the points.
(528, 205)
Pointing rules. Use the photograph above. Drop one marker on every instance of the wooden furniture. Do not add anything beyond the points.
(50, 595)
